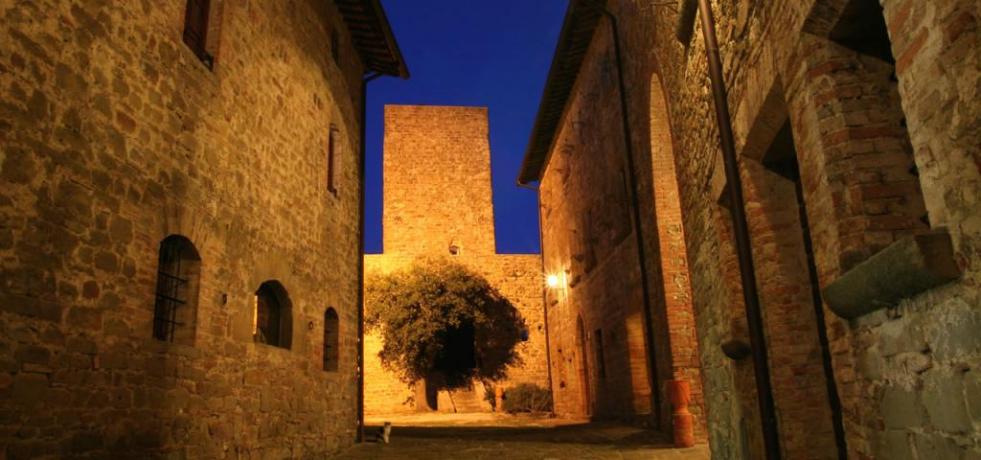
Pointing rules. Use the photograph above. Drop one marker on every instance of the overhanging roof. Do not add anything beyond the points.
(372, 36)
(581, 20)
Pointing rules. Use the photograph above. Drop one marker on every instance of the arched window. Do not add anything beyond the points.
(176, 302)
(273, 319)
(332, 340)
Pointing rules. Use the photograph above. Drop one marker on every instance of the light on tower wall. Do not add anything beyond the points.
(552, 281)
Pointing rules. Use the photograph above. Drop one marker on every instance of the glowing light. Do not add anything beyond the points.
(552, 281)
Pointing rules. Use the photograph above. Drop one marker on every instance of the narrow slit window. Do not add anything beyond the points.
(600, 359)
(196, 29)
(331, 340)
(335, 46)
(332, 160)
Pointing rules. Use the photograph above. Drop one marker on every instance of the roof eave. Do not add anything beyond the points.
(373, 37)
(581, 20)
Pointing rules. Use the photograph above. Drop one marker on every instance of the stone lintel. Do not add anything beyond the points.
(902, 270)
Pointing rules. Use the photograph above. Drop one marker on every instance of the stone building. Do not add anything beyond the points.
(437, 202)
(856, 128)
(179, 238)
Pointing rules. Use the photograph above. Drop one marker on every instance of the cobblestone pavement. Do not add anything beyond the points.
(488, 436)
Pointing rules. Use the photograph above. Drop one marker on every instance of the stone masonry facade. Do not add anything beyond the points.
(844, 150)
(114, 136)
(437, 194)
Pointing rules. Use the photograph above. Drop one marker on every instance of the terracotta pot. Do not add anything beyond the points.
(679, 393)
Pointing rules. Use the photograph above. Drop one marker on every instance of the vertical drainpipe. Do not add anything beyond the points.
(747, 271)
(638, 229)
(359, 436)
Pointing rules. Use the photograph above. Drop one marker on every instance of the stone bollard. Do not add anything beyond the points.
(679, 393)
(499, 399)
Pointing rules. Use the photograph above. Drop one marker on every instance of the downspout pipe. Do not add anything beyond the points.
(747, 271)
(638, 229)
(541, 250)
(359, 436)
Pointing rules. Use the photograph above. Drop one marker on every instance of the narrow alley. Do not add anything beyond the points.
(577, 229)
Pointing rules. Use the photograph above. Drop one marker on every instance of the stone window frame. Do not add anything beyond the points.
(924, 250)
(177, 291)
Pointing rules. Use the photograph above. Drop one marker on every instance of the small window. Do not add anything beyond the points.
(600, 359)
(175, 307)
(331, 340)
(335, 46)
(196, 29)
(272, 319)
(332, 159)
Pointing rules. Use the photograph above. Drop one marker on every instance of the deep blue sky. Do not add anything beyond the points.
(492, 53)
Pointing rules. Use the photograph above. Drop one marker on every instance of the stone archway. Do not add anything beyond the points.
(675, 285)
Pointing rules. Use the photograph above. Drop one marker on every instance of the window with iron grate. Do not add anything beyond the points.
(175, 306)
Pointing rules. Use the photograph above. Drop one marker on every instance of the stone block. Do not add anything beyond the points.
(972, 387)
(943, 396)
(904, 269)
(29, 389)
(894, 445)
(936, 446)
(952, 329)
(901, 408)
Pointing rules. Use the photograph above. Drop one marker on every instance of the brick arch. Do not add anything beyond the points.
(675, 285)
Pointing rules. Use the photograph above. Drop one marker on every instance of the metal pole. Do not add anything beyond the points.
(747, 272)
(359, 436)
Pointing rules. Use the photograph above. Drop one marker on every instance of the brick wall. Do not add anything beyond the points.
(114, 136)
(906, 376)
(860, 195)
(437, 193)
(588, 234)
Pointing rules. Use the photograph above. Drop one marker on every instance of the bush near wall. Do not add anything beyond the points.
(527, 397)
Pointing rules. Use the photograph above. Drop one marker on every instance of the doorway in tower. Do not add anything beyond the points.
(801, 375)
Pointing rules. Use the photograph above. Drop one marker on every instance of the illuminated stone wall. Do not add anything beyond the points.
(437, 194)
(114, 135)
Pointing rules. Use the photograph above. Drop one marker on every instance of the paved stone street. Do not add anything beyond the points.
(488, 436)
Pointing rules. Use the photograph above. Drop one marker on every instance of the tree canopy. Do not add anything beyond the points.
(443, 322)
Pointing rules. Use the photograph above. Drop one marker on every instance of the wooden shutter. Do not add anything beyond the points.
(196, 25)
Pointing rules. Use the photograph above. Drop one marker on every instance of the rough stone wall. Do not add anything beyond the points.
(907, 377)
(437, 193)
(437, 175)
(113, 135)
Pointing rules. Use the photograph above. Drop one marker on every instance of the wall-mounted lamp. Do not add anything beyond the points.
(552, 281)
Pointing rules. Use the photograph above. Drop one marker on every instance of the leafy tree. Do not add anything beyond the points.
(442, 322)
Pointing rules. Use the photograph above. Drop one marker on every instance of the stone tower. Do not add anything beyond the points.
(438, 202)
(437, 176)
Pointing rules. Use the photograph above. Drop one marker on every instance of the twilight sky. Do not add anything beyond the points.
(493, 53)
